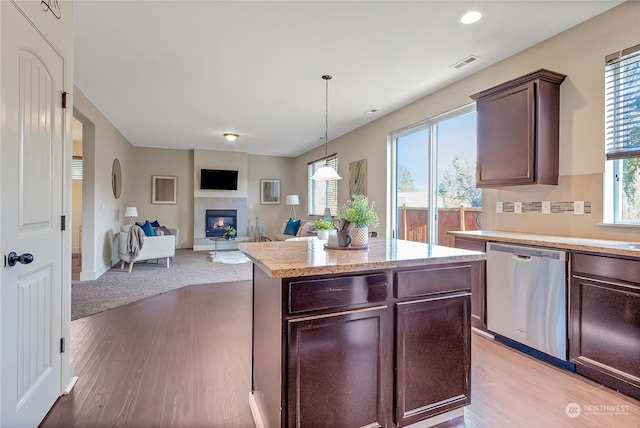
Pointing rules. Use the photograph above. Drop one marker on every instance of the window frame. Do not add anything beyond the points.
(430, 124)
(617, 149)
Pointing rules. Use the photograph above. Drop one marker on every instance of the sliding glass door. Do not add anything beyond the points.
(434, 166)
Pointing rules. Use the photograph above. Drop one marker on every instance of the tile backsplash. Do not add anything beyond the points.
(556, 207)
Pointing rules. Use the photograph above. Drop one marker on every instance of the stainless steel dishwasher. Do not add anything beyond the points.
(526, 296)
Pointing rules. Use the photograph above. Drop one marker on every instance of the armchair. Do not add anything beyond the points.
(154, 247)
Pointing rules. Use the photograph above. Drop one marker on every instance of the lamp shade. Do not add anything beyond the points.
(326, 173)
(292, 200)
(131, 212)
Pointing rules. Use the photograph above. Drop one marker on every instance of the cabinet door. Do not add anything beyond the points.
(478, 283)
(505, 127)
(433, 357)
(605, 332)
(339, 369)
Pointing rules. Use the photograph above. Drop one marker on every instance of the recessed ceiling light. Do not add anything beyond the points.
(471, 17)
(231, 137)
(373, 110)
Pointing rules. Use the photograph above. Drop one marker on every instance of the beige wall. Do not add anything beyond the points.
(103, 214)
(579, 53)
(167, 162)
(273, 168)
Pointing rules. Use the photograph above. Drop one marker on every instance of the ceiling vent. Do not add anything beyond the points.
(468, 60)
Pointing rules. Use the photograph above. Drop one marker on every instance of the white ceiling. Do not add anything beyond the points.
(179, 74)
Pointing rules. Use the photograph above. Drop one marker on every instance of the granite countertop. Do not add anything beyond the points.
(287, 259)
(621, 248)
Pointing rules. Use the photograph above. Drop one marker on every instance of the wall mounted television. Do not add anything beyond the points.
(218, 179)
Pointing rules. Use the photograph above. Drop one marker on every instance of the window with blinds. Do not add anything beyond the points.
(322, 193)
(622, 104)
(622, 136)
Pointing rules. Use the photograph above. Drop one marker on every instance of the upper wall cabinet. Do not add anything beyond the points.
(518, 131)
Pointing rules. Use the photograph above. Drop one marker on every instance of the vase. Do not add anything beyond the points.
(360, 237)
(323, 235)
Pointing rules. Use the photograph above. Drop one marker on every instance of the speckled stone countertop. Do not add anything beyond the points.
(621, 248)
(304, 258)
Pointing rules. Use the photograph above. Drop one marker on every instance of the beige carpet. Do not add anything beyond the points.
(119, 287)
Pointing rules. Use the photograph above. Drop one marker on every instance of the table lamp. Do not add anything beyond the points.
(131, 212)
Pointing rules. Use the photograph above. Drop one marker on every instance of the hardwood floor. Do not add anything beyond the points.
(183, 359)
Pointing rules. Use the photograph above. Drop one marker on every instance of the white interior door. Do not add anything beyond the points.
(31, 190)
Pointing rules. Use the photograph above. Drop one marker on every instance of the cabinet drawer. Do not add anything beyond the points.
(422, 282)
(607, 267)
(312, 295)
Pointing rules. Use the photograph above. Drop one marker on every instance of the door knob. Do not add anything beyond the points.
(14, 258)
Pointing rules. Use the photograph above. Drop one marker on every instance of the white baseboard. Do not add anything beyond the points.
(71, 384)
(90, 276)
(255, 412)
(482, 333)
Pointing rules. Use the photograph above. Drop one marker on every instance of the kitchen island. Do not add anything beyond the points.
(353, 338)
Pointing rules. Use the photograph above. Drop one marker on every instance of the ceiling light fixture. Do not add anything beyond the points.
(231, 137)
(471, 17)
(326, 172)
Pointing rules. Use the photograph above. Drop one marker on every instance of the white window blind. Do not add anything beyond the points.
(322, 193)
(622, 104)
(76, 168)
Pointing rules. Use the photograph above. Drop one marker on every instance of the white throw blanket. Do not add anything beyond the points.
(135, 241)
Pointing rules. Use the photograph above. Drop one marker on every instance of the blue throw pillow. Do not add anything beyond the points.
(155, 223)
(292, 227)
(148, 229)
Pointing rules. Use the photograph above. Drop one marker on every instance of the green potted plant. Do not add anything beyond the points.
(229, 233)
(359, 211)
(323, 227)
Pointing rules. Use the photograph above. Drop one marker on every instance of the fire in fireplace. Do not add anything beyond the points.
(216, 221)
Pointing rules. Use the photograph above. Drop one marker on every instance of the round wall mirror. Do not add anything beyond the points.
(116, 178)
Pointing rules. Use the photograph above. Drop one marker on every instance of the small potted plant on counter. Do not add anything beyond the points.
(323, 227)
(229, 233)
(359, 211)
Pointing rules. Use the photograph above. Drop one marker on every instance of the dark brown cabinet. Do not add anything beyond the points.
(338, 359)
(605, 320)
(433, 354)
(343, 350)
(518, 131)
(478, 283)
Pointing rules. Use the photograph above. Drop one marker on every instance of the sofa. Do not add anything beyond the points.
(305, 226)
(161, 246)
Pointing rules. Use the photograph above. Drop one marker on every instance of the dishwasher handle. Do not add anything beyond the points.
(527, 251)
(521, 258)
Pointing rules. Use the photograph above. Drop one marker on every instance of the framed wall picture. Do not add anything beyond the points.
(270, 192)
(358, 178)
(164, 189)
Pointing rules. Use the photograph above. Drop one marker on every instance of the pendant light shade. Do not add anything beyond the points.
(326, 172)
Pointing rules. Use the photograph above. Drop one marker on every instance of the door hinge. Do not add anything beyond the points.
(63, 222)
(64, 99)
(62, 345)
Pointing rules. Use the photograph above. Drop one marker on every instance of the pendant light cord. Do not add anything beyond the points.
(326, 78)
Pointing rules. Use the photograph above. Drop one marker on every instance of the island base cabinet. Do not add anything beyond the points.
(338, 359)
(433, 354)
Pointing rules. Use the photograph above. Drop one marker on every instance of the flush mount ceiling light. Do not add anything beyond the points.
(326, 172)
(471, 17)
(231, 137)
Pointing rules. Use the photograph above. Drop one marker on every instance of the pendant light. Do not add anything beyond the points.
(326, 172)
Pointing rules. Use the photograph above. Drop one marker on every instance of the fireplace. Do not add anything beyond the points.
(217, 220)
